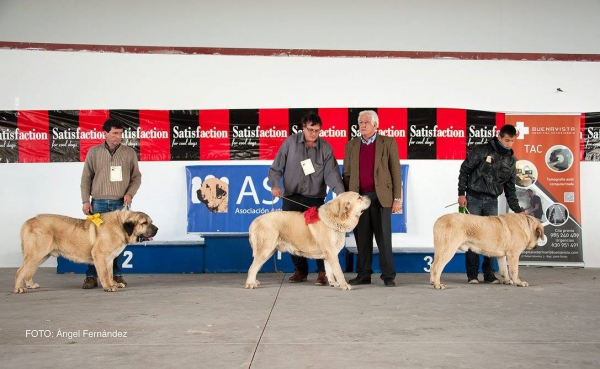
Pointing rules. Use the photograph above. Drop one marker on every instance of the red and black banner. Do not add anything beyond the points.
(49, 136)
(590, 136)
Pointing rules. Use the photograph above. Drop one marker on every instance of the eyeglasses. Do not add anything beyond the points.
(313, 131)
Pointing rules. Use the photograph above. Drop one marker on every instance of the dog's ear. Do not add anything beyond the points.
(343, 207)
(536, 226)
(221, 192)
(540, 231)
(129, 227)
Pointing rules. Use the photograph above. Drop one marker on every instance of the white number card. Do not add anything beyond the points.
(116, 173)
(307, 166)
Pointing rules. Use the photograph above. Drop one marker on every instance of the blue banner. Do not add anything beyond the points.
(227, 198)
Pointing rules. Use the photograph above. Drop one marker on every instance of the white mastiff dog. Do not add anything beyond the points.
(303, 235)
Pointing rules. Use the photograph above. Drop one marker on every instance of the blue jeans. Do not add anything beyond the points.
(104, 206)
(485, 207)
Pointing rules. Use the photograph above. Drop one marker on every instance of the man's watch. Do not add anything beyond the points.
(397, 199)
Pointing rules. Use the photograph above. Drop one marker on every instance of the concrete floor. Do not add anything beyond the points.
(211, 321)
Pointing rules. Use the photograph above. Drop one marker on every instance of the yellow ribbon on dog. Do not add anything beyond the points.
(95, 219)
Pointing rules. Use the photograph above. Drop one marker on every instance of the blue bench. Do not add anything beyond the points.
(231, 253)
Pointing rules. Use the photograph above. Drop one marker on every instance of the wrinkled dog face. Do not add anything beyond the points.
(140, 225)
(537, 232)
(352, 204)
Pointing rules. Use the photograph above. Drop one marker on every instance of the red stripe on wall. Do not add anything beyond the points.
(155, 133)
(91, 132)
(34, 136)
(393, 122)
(335, 129)
(449, 143)
(214, 144)
(274, 121)
(500, 120)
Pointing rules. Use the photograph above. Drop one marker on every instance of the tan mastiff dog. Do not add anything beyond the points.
(504, 237)
(92, 241)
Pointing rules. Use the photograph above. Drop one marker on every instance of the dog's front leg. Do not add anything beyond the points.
(104, 272)
(513, 268)
(337, 272)
(503, 270)
(330, 277)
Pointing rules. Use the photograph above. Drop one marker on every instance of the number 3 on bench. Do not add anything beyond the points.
(428, 259)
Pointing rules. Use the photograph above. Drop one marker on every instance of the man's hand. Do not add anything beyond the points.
(276, 192)
(397, 207)
(462, 201)
(87, 208)
(127, 199)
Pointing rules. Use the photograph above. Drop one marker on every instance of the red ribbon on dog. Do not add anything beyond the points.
(311, 216)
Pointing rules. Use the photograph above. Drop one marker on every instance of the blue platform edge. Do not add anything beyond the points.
(232, 254)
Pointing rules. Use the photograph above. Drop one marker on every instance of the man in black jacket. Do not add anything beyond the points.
(488, 170)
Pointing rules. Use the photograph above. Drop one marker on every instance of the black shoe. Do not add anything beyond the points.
(389, 283)
(360, 280)
(491, 279)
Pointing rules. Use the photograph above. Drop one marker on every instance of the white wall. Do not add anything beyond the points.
(86, 80)
(55, 80)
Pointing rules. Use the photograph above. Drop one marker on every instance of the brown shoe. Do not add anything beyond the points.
(90, 282)
(321, 279)
(297, 277)
(119, 279)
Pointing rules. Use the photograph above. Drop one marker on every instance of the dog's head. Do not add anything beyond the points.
(213, 194)
(139, 226)
(345, 210)
(537, 232)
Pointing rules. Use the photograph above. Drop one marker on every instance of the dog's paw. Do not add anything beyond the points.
(346, 287)
(20, 290)
(523, 284)
(33, 285)
(439, 286)
(120, 285)
(334, 283)
(250, 286)
(508, 281)
(111, 289)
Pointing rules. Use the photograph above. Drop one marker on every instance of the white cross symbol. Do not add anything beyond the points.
(522, 130)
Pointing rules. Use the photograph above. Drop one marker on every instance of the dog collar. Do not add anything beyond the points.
(311, 216)
(95, 219)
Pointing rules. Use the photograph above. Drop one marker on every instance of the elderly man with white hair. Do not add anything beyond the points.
(372, 168)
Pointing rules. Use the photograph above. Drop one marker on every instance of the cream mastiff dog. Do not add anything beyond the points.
(303, 235)
(97, 241)
(504, 237)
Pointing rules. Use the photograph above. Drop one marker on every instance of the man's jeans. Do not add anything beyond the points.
(104, 206)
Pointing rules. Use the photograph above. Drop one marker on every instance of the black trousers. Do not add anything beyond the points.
(377, 221)
(300, 262)
(485, 207)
